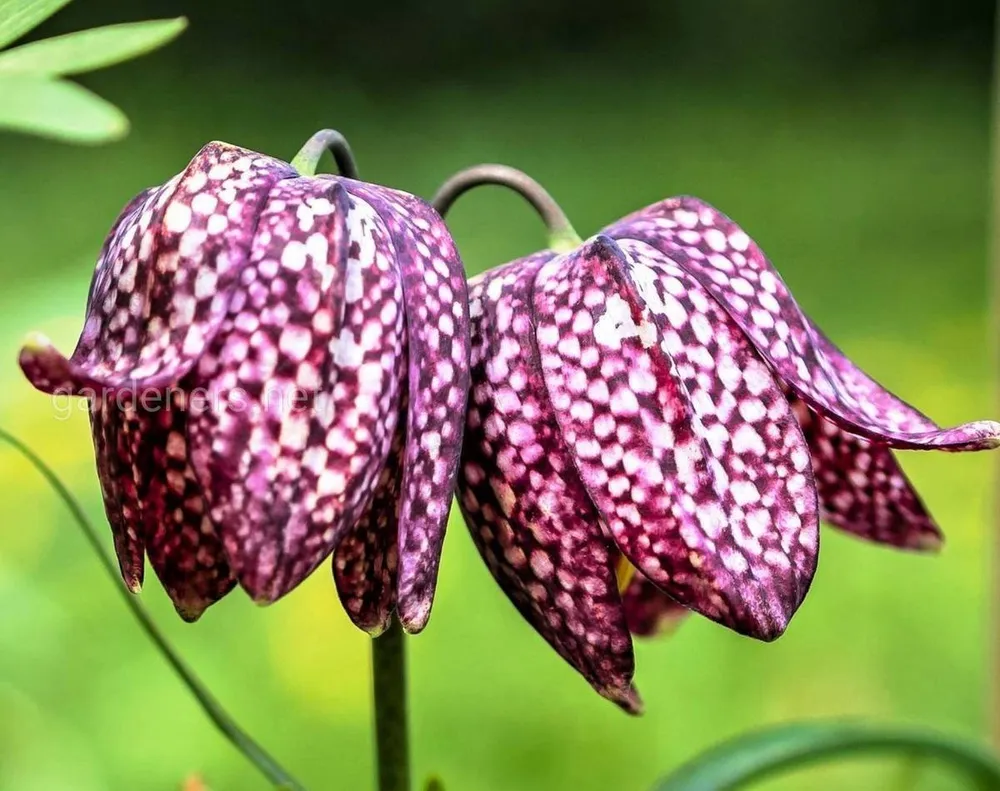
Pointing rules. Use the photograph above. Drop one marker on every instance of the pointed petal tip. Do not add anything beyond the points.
(262, 598)
(627, 699)
(766, 620)
(133, 584)
(35, 342)
(413, 615)
(189, 613)
(42, 364)
(930, 542)
(375, 629)
(989, 431)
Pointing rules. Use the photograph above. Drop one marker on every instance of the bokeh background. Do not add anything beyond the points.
(849, 138)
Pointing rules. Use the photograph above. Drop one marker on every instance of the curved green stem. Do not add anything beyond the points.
(307, 160)
(392, 744)
(756, 756)
(242, 741)
(562, 237)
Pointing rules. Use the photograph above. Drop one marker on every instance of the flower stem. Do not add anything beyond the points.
(993, 639)
(392, 744)
(562, 237)
(242, 741)
(307, 160)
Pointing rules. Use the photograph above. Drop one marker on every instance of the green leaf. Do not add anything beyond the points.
(58, 109)
(760, 754)
(87, 50)
(17, 17)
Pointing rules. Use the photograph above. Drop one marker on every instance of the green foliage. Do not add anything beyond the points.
(870, 199)
(90, 49)
(18, 17)
(34, 100)
(58, 109)
(760, 754)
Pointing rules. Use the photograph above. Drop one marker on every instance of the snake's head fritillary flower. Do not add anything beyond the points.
(278, 368)
(655, 426)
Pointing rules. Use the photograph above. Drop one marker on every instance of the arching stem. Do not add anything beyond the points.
(242, 741)
(307, 160)
(562, 237)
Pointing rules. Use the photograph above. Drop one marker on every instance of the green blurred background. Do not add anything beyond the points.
(850, 139)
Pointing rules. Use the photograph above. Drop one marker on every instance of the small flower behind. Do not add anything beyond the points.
(277, 369)
(655, 426)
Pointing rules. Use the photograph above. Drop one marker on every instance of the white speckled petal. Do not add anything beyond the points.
(118, 487)
(161, 288)
(174, 525)
(303, 391)
(437, 326)
(715, 250)
(366, 561)
(862, 489)
(683, 439)
(522, 499)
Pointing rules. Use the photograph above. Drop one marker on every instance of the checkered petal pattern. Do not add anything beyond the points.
(278, 369)
(655, 427)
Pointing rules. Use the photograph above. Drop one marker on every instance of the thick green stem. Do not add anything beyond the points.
(562, 237)
(392, 743)
(307, 160)
(242, 741)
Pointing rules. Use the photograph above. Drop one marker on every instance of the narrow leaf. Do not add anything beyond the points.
(17, 17)
(88, 50)
(760, 754)
(58, 109)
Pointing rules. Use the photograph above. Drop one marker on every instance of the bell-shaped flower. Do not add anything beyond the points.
(277, 367)
(653, 413)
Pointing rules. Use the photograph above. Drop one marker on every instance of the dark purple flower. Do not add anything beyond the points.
(278, 369)
(656, 396)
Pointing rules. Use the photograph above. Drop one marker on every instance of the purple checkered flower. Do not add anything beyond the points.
(655, 426)
(277, 369)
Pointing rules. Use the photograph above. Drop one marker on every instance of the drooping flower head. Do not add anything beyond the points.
(655, 426)
(277, 367)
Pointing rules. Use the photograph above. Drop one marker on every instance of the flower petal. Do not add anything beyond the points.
(715, 250)
(121, 503)
(183, 547)
(649, 611)
(162, 284)
(302, 391)
(437, 326)
(365, 563)
(684, 441)
(528, 514)
(862, 488)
